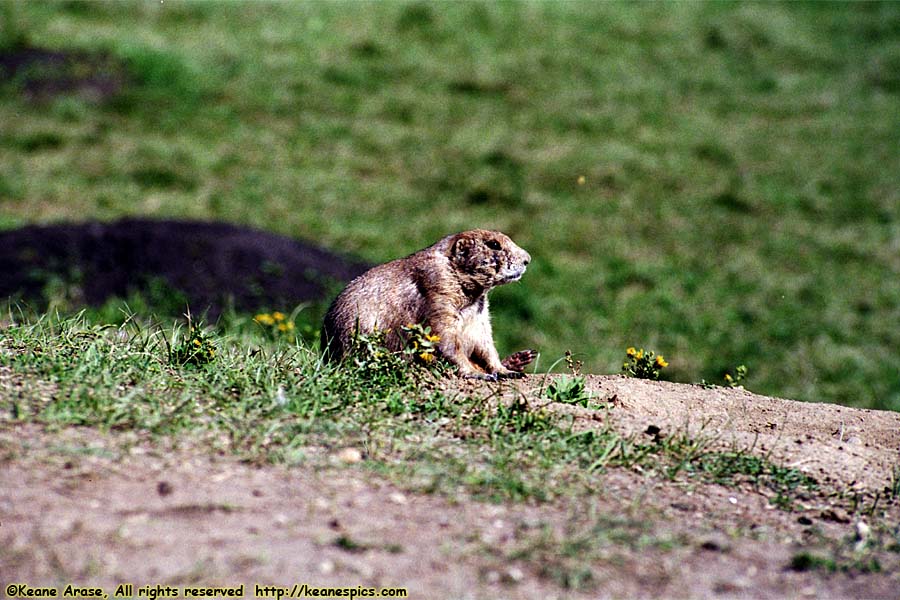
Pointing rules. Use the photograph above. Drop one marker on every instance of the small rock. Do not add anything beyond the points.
(280, 398)
(326, 567)
(732, 499)
(398, 498)
(805, 520)
(514, 575)
(492, 577)
(862, 530)
(164, 488)
(349, 456)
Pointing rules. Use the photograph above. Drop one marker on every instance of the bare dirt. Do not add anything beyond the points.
(83, 507)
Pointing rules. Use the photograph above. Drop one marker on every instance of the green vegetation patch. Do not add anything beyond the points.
(270, 398)
(717, 180)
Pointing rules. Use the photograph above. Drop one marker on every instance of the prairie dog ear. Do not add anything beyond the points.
(462, 248)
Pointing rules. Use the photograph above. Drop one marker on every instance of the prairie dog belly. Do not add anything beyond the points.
(475, 325)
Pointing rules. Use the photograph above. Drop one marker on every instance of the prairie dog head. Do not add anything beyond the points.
(487, 258)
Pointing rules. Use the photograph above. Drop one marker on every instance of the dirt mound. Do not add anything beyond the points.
(87, 508)
(852, 450)
(847, 447)
(209, 263)
(44, 74)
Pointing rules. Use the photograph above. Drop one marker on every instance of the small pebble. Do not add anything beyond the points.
(349, 456)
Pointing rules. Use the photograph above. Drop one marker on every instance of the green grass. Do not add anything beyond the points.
(740, 203)
(267, 399)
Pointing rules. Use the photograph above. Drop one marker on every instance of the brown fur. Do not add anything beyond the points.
(445, 287)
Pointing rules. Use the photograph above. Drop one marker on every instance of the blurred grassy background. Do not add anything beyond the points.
(741, 161)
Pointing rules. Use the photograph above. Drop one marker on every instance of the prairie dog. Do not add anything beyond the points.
(444, 286)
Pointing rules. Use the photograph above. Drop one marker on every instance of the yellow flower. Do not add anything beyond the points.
(290, 325)
(581, 179)
(278, 316)
(728, 378)
(433, 338)
(661, 362)
(282, 327)
(196, 342)
(427, 356)
(264, 319)
(640, 354)
(630, 351)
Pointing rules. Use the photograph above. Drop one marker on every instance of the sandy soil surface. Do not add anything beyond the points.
(75, 508)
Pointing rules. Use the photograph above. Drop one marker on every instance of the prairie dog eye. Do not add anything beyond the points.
(492, 244)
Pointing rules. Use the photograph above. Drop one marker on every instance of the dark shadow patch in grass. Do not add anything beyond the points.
(129, 80)
(42, 74)
(474, 87)
(482, 195)
(415, 17)
(733, 202)
(883, 72)
(367, 49)
(715, 154)
(497, 179)
(161, 177)
(35, 142)
(161, 85)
